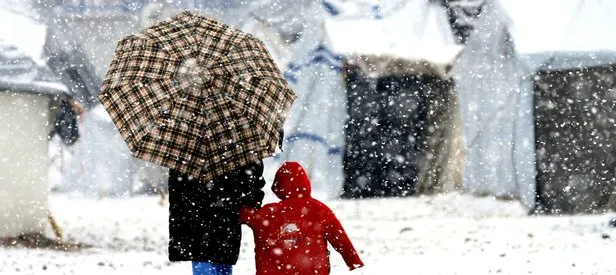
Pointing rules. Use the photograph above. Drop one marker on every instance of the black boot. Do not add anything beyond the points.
(612, 222)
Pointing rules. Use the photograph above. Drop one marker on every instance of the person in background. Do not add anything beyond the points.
(64, 118)
(291, 236)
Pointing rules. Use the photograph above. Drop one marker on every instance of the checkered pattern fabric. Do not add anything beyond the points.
(193, 94)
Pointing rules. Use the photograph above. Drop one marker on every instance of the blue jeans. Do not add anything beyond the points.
(206, 268)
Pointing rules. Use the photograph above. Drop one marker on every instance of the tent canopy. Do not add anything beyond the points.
(418, 31)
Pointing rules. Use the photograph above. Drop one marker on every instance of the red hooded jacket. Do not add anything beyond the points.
(291, 236)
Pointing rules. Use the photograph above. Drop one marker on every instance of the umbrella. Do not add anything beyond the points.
(193, 94)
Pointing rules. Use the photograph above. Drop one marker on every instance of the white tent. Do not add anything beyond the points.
(402, 39)
(101, 164)
(26, 88)
(327, 32)
(314, 133)
(494, 81)
(24, 119)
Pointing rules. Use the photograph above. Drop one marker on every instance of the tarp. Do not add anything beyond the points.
(574, 114)
(496, 110)
(314, 129)
(102, 165)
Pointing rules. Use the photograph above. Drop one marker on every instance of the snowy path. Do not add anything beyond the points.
(448, 234)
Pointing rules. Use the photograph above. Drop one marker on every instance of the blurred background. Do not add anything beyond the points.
(513, 100)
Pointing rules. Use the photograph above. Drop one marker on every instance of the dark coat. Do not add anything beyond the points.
(204, 222)
(291, 236)
(65, 121)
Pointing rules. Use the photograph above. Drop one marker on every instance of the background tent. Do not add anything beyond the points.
(514, 52)
(400, 134)
(497, 122)
(22, 62)
(314, 129)
(575, 110)
(27, 89)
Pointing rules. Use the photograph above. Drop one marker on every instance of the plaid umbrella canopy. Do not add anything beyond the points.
(193, 94)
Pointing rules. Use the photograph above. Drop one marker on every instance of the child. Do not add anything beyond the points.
(291, 236)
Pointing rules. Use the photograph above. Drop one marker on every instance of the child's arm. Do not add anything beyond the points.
(335, 234)
(254, 217)
(248, 216)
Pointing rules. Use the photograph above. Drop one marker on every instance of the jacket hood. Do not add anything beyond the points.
(291, 181)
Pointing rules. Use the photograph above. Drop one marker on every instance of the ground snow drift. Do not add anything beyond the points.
(447, 234)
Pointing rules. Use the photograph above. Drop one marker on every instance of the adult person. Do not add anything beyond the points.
(204, 225)
(204, 217)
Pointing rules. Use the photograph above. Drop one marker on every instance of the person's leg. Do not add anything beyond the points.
(207, 268)
(225, 269)
(203, 268)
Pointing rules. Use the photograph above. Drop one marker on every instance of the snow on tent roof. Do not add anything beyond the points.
(562, 25)
(24, 33)
(417, 31)
(22, 67)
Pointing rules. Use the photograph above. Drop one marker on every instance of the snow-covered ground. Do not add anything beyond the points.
(446, 234)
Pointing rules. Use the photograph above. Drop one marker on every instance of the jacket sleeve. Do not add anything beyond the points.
(248, 216)
(251, 189)
(254, 217)
(335, 234)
